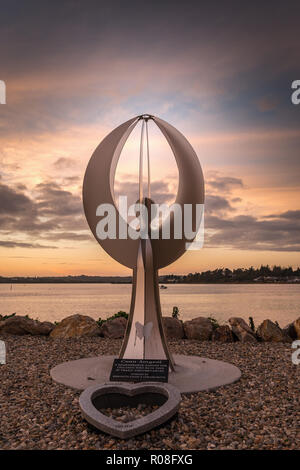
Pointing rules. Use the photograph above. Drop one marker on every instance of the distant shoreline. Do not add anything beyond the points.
(262, 275)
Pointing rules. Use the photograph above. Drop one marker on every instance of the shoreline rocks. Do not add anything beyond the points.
(241, 330)
(199, 329)
(76, 326)
(269, 331)
(173, 328)
(290, 331)
(114, 328)
(296, 325)
(223, 334)
(19, 325)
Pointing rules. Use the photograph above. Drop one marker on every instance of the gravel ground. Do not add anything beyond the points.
(125, 414)
(260, 411)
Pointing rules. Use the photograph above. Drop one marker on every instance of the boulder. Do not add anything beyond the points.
(269, 331)
(199, 328)
(114, 328)
(76, 326)
(19, 325)
(241, 330)
(289, 330)
(223, 334)
(296, 325)
(173, 328)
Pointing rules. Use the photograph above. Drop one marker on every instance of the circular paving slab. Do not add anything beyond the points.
(192, 373)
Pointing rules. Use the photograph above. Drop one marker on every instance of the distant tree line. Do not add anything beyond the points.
(81, 279)
(221, 275)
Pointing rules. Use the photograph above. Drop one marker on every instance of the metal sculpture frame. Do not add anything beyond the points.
(144, 257)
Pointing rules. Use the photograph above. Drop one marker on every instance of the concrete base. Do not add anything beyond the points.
(113, 395)
(192, 373)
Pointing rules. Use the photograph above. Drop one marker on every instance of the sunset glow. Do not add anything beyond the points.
(69, 86)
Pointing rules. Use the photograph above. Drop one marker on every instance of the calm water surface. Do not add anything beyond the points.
(55, 301)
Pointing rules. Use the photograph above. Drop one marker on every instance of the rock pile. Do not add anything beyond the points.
(199, 329)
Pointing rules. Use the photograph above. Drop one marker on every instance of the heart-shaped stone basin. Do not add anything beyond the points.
(116, 395)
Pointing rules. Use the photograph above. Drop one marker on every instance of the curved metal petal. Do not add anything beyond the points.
(190, 191)
(98, 189)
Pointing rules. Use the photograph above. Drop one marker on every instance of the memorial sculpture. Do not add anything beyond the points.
(145, 252)
(144, 336)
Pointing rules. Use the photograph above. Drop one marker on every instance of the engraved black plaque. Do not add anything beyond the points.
(140, 370)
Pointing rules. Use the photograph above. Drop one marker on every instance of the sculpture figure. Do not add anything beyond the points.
(144, 337)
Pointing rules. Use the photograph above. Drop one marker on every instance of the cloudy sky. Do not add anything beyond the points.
(220, 72)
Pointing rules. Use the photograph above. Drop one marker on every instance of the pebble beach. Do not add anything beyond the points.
(260, 411)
